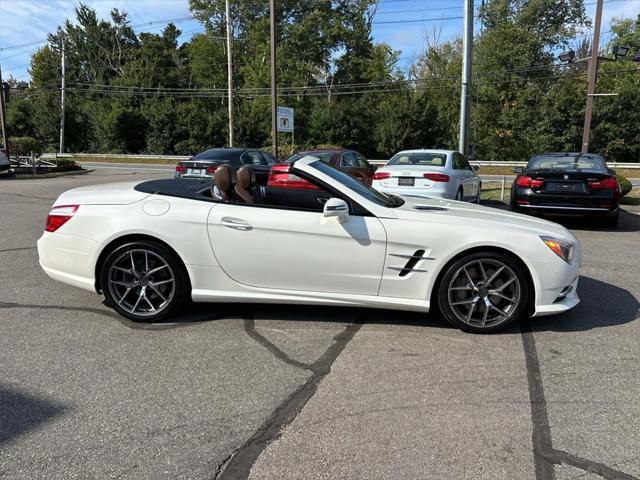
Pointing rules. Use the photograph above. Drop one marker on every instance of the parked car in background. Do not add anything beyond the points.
(431, 173)
(567, 183)
(4, 161)
(204, 164)
(349, 161)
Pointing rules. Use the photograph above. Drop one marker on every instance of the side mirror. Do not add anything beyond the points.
(518, 170)
(336, 207)
(475, 168)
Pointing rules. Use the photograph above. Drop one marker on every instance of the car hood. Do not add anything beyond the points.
(121, 193)
(472, 215)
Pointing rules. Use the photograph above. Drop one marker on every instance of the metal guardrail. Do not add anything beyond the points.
(131, 158)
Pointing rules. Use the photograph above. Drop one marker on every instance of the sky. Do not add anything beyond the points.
(24, 24)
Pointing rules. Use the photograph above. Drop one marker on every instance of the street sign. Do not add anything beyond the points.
(285, 119)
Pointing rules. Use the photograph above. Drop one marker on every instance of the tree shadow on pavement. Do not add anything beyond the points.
(21, 412)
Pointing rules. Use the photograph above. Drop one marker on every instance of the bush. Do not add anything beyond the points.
(24, 146)
(625, 185)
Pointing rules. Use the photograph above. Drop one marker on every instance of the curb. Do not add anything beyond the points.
(31, 176)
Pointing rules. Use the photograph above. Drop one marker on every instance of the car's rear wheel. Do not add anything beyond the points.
(144, 281)
(483, 292)
(459, 195)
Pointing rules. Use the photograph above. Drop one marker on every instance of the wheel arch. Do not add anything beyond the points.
(119, 241)
(433, 299)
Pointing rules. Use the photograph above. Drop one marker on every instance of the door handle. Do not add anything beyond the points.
(236, 223)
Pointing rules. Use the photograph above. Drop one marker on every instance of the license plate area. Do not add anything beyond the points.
(560, 187)
(406, 181)
(194, 171)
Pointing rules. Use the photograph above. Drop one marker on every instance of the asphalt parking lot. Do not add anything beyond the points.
(263, 392)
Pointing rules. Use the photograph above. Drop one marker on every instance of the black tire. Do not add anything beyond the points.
(451, 291)
(459, 195)
(477, 200)
(167, 281)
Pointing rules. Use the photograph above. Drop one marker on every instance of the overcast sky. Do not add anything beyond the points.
(29, 21)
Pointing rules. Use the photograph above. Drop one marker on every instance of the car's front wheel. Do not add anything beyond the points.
(483, 292)
(144, 281)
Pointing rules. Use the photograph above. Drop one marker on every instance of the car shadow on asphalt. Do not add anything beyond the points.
(21, 412)
(602, 305)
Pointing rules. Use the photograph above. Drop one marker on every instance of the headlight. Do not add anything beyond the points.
(562, 248)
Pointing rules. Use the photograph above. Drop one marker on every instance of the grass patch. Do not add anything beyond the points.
(632, 198)
(493, 193)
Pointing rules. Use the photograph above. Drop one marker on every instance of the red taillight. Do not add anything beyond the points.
(436, 177)
(381, 175)
(211, 169)
(528, 182)
(279, 177)
(608, 183)
(60, 215)
(180, 169)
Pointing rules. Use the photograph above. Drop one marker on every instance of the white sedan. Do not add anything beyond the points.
(312, 235)
(430, 173)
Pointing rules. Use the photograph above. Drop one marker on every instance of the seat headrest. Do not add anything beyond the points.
(224, 179)
(246, 177)
(246, 181)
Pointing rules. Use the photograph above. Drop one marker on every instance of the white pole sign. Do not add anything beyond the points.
(285, 119)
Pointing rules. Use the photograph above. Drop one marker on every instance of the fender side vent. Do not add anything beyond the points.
(411, 263)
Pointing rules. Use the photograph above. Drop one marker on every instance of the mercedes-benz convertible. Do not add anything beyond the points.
(311, 235)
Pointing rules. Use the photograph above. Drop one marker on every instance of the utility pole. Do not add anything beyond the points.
(274, 79)
(3, 117)
(229, 72)
(467, 58)
(593, 77)
(62, 99)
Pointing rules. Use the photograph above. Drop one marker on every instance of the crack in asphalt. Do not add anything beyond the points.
(27, 196)
(160, 326)
(17, 249)
(238, 465)
(545, 456)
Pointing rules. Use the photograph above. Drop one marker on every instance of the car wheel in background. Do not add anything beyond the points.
(477, 200)
(144, 281)
(483, 292)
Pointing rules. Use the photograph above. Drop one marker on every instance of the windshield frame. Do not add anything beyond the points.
(440, 155)
(348, 184)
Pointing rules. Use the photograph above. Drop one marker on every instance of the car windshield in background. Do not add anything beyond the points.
(419, 158)
(573, 162)
(389, 201)
(326, 157)
(218, 155)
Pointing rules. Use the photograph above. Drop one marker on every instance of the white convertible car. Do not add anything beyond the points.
(312, 235)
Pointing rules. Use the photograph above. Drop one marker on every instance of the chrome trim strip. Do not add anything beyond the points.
(564, 208)
(400, 269)
(401, 255)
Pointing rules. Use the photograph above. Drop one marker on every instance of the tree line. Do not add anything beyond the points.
(131, 92)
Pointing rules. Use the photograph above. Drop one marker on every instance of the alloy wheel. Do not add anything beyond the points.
(484, 293)
(141, 282)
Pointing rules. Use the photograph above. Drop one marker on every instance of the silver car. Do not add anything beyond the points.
(429, 173)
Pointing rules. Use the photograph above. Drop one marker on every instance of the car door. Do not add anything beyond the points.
(465, 176)
(293, 249)
(349, 163)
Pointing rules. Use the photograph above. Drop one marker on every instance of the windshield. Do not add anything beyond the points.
(419, 158)
(323, 156)
(389, 201)
(570, 162)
